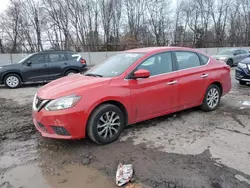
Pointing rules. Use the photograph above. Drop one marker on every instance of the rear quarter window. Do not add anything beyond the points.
(203, 59)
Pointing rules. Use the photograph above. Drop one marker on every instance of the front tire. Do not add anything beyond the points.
(105, 124)
(230, 62)
(242, 82)
(212, 98)
(12, 81)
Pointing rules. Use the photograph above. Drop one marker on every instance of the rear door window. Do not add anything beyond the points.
(57, 57)
(187, 60)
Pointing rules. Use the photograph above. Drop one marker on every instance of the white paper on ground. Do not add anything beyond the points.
(123, 174)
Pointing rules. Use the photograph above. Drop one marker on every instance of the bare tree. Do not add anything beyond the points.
(157, 10)
(59, 17)
(135, 11)
(34, 12)
(219, 14)
(11, 23)
(106, 7)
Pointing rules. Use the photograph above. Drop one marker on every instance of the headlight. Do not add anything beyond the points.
(62, 103)
(34, 102)
(248, 66)
(222, 58)
(242, 65)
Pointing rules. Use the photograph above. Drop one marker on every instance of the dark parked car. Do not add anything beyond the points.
(242, 72)
(42, 66)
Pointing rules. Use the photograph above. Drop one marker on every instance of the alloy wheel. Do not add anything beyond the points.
(12, 81)
(108, 125)
(213, 97)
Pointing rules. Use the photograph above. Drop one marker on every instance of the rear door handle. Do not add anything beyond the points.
(204, 76)
(172, 82)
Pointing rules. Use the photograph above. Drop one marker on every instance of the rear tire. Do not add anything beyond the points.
(212, 98)
(12, 81)
(230, 62)
(105, 124)
(70, 72)
(242, 82)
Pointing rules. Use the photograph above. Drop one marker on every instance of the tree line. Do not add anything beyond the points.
(100, 25)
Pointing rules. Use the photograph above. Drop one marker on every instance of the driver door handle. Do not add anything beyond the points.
(172, 82)
(204, 75)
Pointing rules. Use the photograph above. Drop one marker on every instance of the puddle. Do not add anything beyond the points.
(28, 176)
(75, 176)
(8, 161)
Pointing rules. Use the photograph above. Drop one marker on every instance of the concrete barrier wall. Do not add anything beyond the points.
(92, 58)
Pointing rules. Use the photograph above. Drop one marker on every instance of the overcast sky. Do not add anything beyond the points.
(3, 5)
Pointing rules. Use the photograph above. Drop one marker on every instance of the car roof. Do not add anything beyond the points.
(234, 49)
(53, 51)
(160, 49)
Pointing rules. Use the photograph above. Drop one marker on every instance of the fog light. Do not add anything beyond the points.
(60, 130)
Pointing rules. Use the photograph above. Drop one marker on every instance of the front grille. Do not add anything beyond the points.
(60, 131)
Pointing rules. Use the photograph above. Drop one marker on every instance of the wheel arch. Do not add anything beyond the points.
(70, 69)
(230, 59)
(217, 83)
(116, 103)
(13, 72)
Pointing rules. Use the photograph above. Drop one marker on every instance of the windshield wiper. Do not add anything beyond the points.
(92, 74)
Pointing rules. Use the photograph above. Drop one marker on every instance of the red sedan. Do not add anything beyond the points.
(127, 88)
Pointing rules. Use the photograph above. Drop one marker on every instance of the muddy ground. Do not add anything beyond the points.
(184, 150)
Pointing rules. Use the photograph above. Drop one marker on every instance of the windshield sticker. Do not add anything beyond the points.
(77, 55)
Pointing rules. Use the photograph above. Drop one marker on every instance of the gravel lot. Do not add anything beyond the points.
(188, 149)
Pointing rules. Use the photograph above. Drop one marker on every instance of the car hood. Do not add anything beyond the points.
(246, 61)
(69, 85)
(11, 66)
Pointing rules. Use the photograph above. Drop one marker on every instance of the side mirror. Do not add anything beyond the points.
(142, 73)
(29, 63)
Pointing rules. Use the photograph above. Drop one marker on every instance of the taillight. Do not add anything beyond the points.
(83, 61)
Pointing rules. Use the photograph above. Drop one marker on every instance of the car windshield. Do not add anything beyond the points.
(225, 52)
(24, 59)
(114, 66)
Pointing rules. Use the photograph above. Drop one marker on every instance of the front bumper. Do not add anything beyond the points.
(242, 74)
(62, 124)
